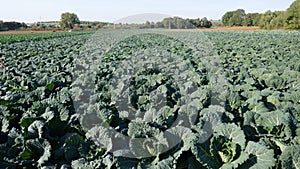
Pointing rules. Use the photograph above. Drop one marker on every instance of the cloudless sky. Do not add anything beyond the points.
(112, 10)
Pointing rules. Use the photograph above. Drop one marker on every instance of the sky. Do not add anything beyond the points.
(30, 11)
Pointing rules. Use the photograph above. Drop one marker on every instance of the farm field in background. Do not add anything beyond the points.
(24, 32)
(19, 36)
(150, 99)
(217, 28)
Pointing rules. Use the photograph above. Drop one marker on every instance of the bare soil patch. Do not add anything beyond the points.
(242, 28)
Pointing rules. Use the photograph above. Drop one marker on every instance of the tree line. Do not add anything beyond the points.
(289, 19)
(69, 20)
(178, 23)
(5, 26)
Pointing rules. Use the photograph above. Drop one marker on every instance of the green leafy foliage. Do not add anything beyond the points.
(290, 157)
(12, 38)
(140, 99)
(224, 150)
(293, 15)
(259, 156)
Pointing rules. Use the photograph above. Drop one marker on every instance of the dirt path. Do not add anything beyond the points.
(242, 28)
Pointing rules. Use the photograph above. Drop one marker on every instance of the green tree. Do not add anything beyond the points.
(12, 25)
(194, 23)
(279, 20)
(179, 23)
(293, 16)
(226, 18)
(168, 23)
(265, 20)
(252, 19)
(198, 23)
(1, 25)
(234, 18)
(68, 20)
(238, 17)
(159, 25)
(256, 19)
(205, 23)
(148, 24)
(189, 24)
(272, 20)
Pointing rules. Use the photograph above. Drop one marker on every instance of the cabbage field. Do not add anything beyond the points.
(151, 99)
